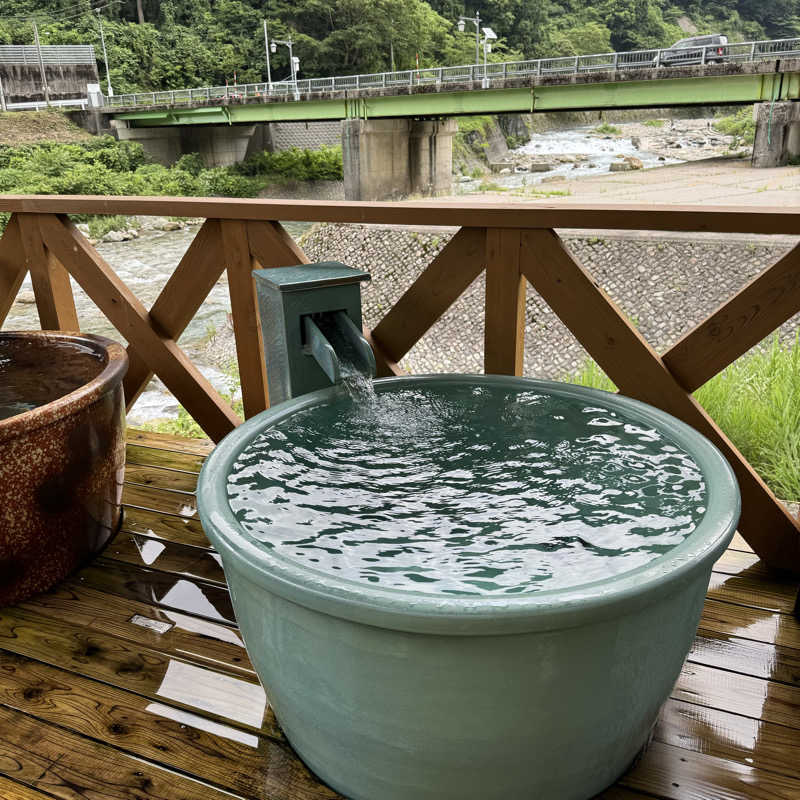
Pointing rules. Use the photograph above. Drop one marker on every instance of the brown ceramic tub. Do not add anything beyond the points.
(62, 455)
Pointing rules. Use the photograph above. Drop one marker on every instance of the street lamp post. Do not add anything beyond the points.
(294, 62)
(488, 37)
(266, 48)
(105, 54)
(476, 21)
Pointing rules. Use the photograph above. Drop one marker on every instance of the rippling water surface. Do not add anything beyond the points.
(466, 490)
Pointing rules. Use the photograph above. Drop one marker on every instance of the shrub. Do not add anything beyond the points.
(324, 164)
(608, 129)
(740, 125)
(191, 163)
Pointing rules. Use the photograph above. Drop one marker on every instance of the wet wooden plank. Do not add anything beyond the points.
(249, 764)
(205, 600)
(156, 457)
(149, 475)
(205, 688)
(67, 766)
(747, 741)
(171, 632)
(738, 543)
(739, 694)
(756, 591)
(166, 441)
(674, 773)
(758, 659)
(166, 501)
(170, 527)
(751, 623)
(179, 559)
(11, 790)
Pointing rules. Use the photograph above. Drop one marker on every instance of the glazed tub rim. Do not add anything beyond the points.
(407, 610)
(109, 375)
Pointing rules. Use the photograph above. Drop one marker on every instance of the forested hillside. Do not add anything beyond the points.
(162, 44)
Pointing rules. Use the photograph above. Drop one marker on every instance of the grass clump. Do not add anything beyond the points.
(99, 226)
(654, 123)
(756, 403)
(740, 125)
(608, 129)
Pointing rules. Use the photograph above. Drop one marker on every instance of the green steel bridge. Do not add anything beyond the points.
(734, 74)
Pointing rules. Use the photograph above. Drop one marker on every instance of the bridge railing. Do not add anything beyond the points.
(564, 65)
(513, 245)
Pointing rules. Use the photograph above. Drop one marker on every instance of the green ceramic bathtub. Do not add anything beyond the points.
(391, 695)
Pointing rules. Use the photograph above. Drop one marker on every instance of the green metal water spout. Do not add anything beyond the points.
(311, 324)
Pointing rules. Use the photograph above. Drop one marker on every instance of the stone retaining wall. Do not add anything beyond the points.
(305, 135)
(666, 284)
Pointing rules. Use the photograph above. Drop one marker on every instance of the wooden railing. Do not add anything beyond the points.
(513, 244)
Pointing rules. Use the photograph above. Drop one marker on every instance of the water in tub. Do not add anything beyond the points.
(27, 377)
(466, 490)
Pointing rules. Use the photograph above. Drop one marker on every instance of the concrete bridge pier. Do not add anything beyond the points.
(387, 159)
(218, 145)
(777, 134)
(161, 144)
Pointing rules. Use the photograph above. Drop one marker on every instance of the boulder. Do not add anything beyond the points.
(116, 236)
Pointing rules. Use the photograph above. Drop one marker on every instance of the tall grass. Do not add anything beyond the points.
(756, 402)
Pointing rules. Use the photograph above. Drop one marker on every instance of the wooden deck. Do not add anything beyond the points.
(131, 680)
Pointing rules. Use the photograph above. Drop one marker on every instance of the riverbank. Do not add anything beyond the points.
(723, 181)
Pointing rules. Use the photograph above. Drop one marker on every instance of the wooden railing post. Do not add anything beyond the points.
(504, 332)
(244, 308)
(12, 266)
(51, 285)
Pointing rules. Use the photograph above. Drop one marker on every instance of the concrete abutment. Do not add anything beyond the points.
(777, 134)
(218, 145)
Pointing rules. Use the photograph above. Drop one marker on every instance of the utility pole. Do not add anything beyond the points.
(105, 54)
(2, 97)
(266, 47)
(45, 87)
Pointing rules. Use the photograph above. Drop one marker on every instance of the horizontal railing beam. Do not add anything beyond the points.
(781, 220)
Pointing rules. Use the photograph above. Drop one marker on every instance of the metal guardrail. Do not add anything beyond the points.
(51, 54)
(40, 105)
(567, 65)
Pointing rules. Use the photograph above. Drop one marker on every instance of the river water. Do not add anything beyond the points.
(588, 153)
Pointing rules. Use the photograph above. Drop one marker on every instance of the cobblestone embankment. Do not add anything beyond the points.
(665, 285)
